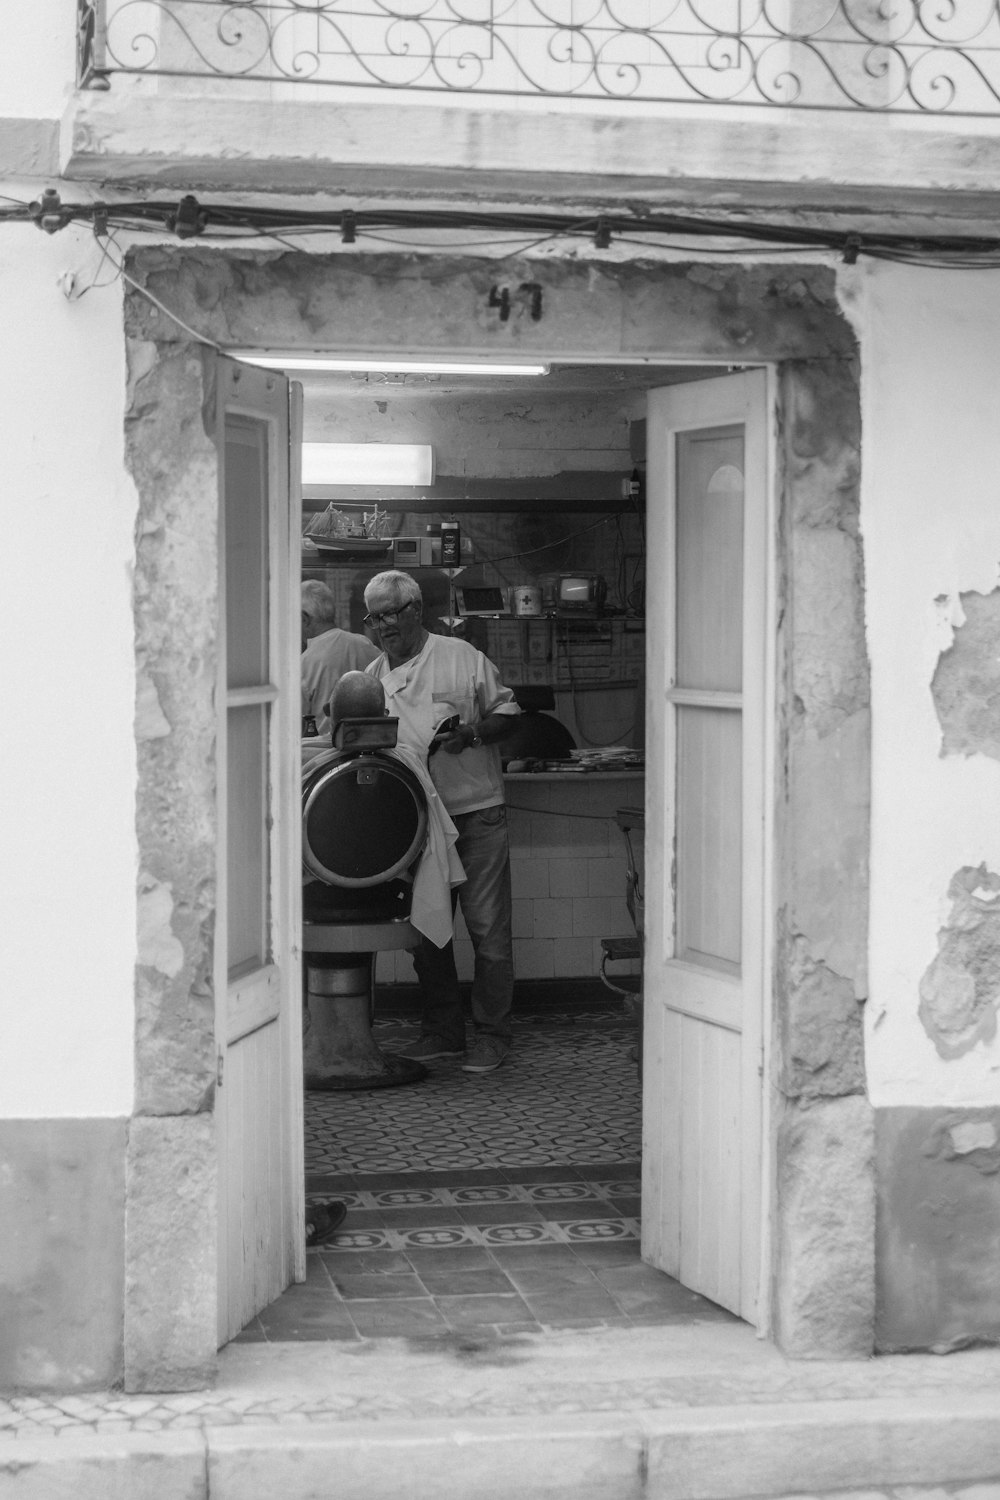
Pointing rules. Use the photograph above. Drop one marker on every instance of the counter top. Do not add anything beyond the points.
(574, 776)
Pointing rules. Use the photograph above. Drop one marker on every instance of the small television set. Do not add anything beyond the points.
(573, 593)
(483, 602)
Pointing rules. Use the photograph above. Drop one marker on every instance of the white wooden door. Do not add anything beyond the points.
(257, 960)
(708, 686)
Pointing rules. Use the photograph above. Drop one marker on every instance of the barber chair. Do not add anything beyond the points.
(631, 821)
(364, 828)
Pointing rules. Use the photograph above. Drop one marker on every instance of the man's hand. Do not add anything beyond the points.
(442, 733)
(465, 737)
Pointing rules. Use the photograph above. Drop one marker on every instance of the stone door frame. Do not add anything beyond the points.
(821, 1186)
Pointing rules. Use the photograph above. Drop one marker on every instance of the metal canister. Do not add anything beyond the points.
(526, 601)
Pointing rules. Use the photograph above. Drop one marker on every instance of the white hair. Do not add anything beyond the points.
(318, 602)
(404, 586)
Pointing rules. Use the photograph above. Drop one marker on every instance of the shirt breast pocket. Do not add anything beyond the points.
(447, 704)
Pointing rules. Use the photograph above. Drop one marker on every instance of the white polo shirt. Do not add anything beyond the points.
(448, 676)
(324, 661)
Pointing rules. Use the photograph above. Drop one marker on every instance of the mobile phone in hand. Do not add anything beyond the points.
(442, 731)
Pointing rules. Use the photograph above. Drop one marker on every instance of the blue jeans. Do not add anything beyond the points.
(485, 900)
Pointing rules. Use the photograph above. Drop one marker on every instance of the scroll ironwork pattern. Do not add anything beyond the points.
(915, 56)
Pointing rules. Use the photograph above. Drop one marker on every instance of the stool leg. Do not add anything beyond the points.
(339, 1051)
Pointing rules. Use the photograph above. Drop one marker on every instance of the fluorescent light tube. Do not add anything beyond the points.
(368, 463)
(388, 366)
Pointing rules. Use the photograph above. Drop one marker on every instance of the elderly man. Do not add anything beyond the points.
(329, 652)
(430, 680)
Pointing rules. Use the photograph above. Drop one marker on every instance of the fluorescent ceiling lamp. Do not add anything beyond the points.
(388, 366)
(367, 463)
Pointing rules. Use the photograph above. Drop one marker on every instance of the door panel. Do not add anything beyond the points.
(710, 1192)
(257, 961)
(708, 870)
(703, 973)
(247, 853)
(709, 558)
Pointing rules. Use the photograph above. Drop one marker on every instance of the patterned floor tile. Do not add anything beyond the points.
(568, 1094)
(501, 1204)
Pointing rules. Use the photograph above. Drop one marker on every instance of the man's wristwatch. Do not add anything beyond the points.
(476, 741)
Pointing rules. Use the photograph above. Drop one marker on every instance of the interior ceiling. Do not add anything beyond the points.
(561, 380)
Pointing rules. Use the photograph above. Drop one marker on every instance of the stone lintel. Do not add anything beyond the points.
(230, 135)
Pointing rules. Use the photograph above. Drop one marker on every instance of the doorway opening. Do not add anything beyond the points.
(785, 320)
(492, 1206)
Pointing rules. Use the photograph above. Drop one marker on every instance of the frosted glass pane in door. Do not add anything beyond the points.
(710, 558)
(709, 839)
(246, 517)
(247, 837)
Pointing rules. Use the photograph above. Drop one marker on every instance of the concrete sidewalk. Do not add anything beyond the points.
(682, 1413)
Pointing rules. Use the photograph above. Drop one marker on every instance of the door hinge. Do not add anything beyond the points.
(220, 1063)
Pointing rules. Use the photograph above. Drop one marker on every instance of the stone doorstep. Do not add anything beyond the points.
(854, 1448)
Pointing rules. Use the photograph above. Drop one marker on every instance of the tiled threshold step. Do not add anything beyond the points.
(706, 1414)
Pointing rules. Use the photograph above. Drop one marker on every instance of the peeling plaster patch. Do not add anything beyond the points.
(966, 682)
(159, 948)
(971, 1138)
(966, 1138)
(960, 992)
(150, 721)
(823, 1042)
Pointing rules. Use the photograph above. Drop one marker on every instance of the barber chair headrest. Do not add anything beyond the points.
(364, 815)
(365, 734)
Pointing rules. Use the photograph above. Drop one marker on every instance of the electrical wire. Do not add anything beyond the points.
(530, 551)
(515, 233)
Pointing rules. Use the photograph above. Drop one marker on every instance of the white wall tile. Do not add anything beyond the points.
(552, 919)
(529, 878)
(605, 877)
(573, 957)
(533, 959)
(522, 919)
(405, 972)
(385, 968)
(528, 793)
(569, 877)
(576, 837)
(601, 916)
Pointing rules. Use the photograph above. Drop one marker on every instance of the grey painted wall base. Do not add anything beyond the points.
(62, 1207)
(938, 1228)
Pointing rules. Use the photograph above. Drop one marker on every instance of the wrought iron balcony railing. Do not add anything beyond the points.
(915, 56)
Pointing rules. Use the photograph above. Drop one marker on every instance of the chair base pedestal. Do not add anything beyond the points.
(339, 1051)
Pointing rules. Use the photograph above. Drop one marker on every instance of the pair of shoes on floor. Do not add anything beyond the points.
(322, 1222)
(430, 1047)
(486, 1054)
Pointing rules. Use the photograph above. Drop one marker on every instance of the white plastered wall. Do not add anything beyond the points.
(37, 59)
(68, 860)
(931, 525)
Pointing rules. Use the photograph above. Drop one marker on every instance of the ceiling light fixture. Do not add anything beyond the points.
(320, 363)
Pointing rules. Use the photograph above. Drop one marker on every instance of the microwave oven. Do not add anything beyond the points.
(582, 593)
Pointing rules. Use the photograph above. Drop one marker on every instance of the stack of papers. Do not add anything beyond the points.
(607, 758)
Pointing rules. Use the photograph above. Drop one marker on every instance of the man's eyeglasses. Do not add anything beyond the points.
(388, 616)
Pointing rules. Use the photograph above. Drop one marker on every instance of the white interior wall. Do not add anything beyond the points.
(68, 867)
(483, 435)
(931, 526)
